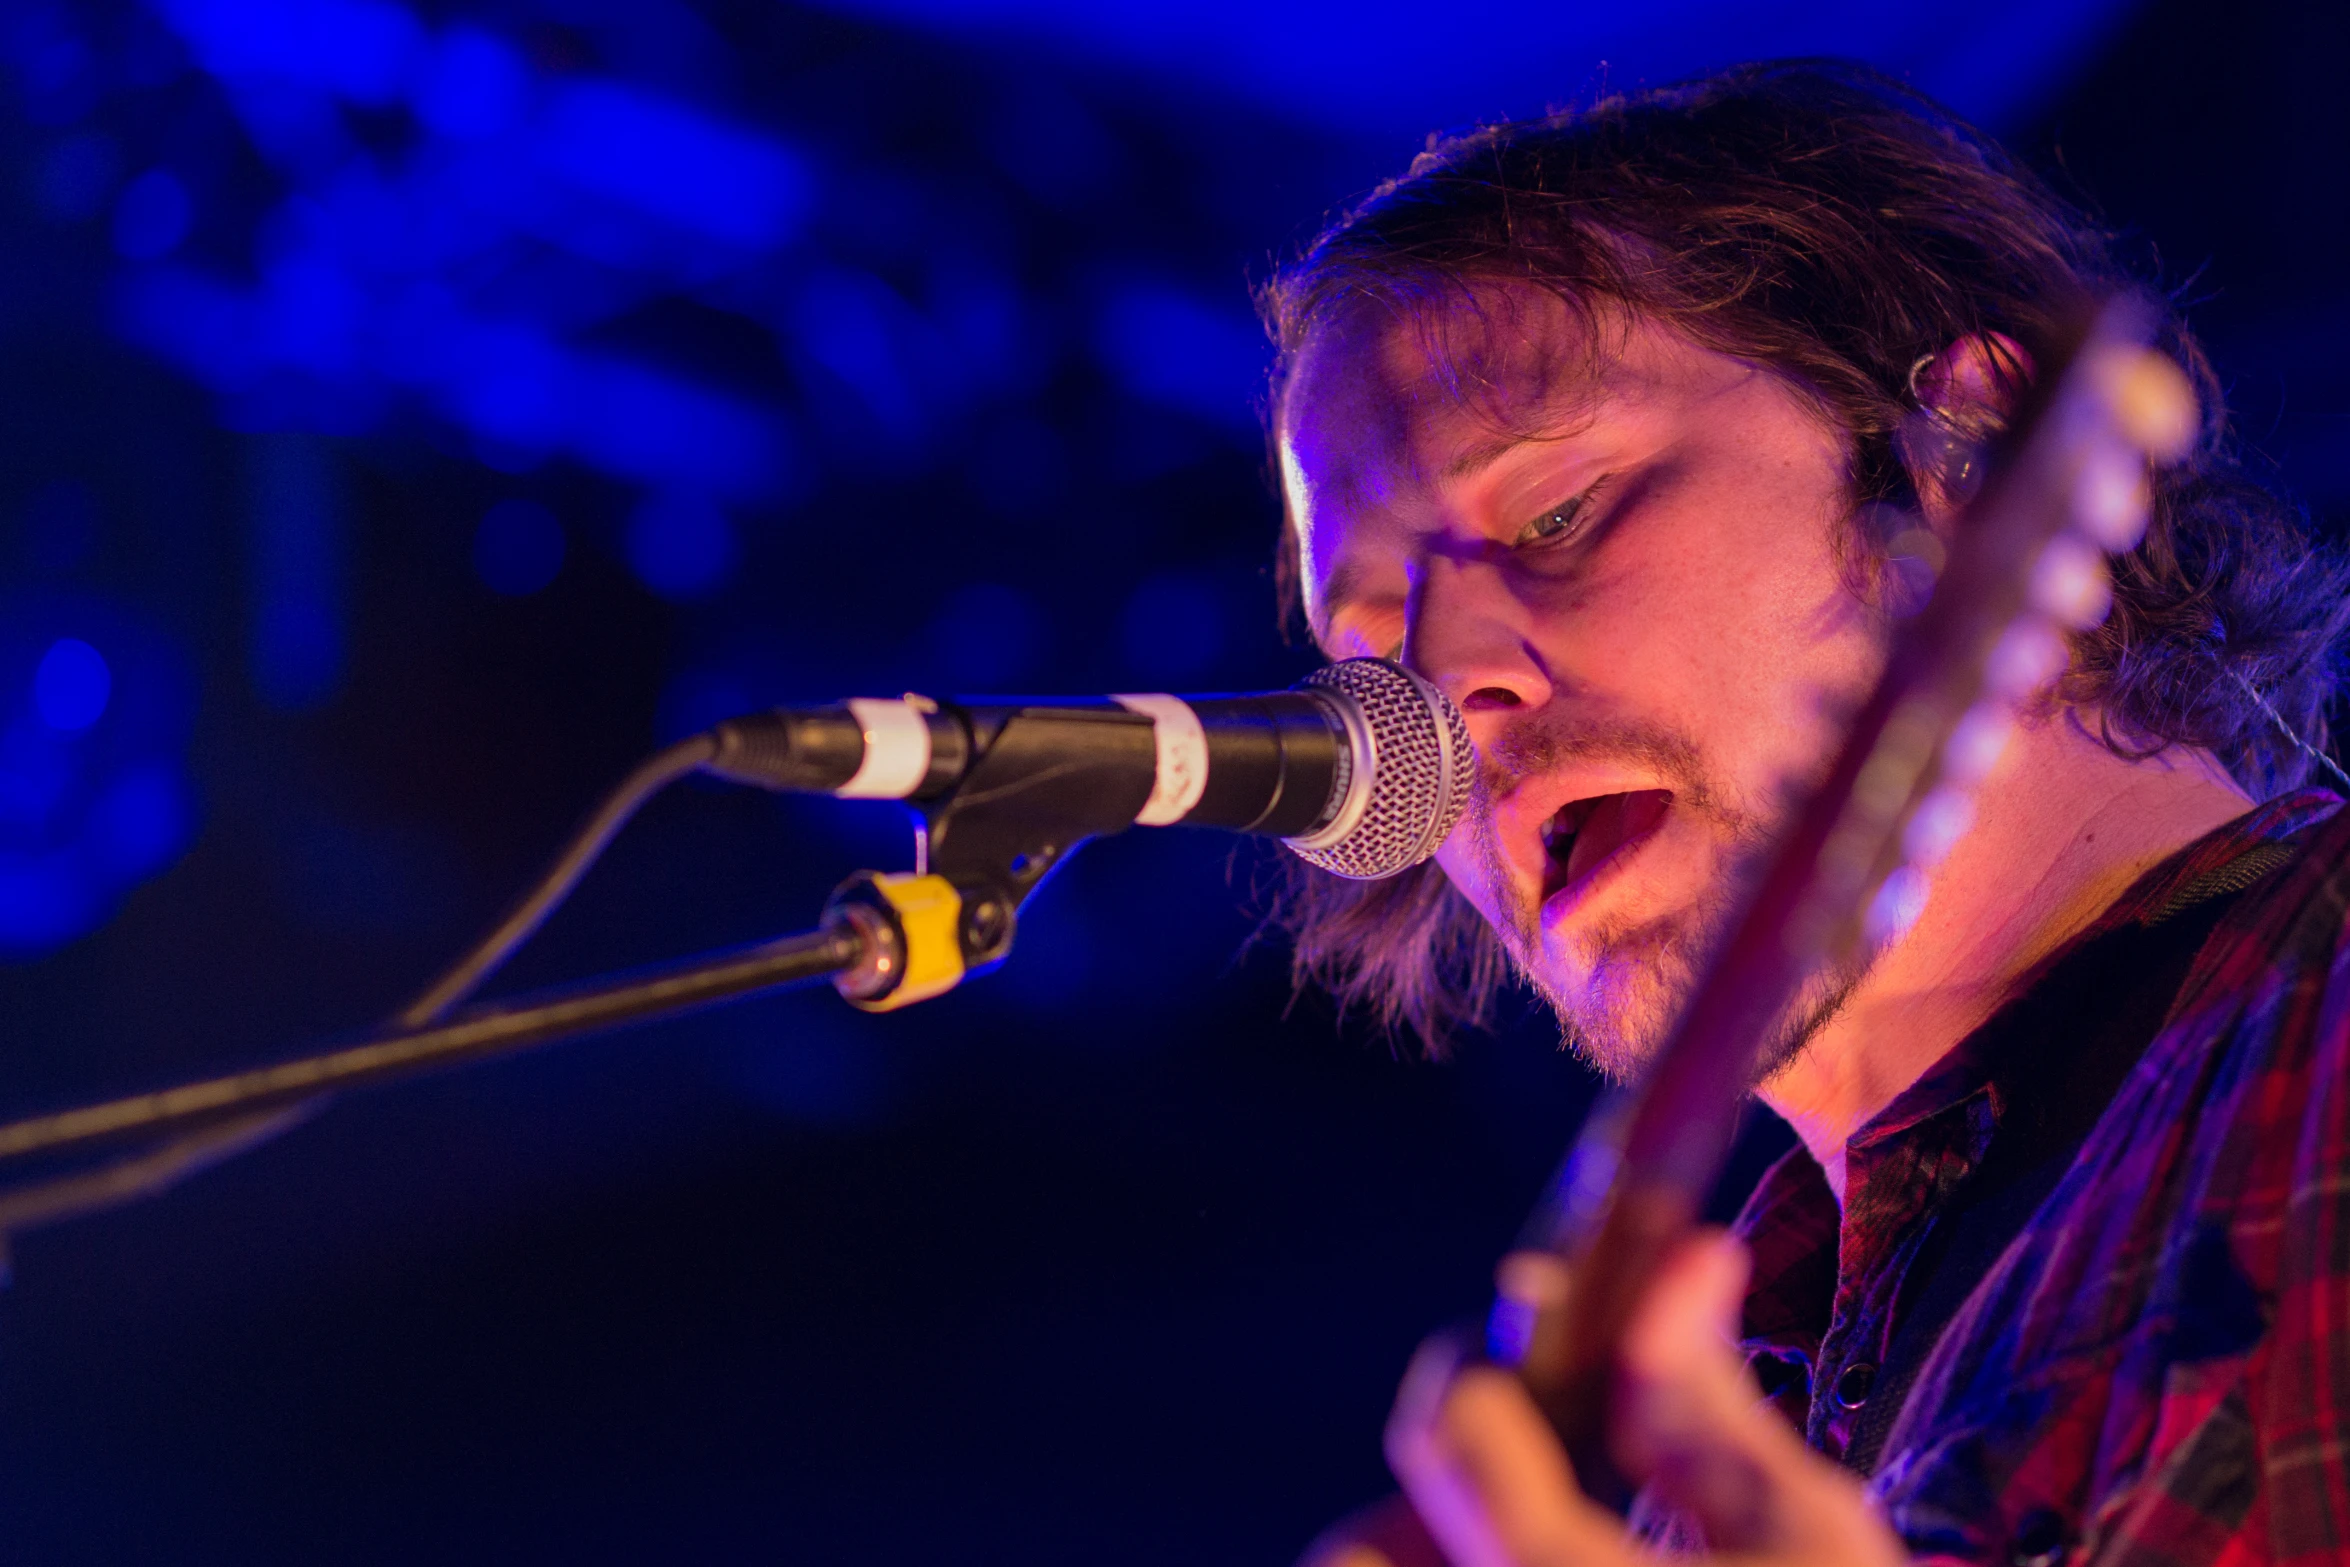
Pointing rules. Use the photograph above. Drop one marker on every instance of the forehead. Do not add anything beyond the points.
(1380, 398)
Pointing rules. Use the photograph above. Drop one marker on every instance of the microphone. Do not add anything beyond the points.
(1362, 769)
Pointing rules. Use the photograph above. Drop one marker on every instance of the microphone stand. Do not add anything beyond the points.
(201, 1123)
(499, 1028)
(886, 941)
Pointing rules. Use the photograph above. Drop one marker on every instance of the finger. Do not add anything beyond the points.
(1535, 1280)
(1693, 1422)
(1680, 1346)
(1700, 1290)
(1485, 1473)
(1683, 1339)
(1509, 1461)
(1357, 1553)
(1386, 1534)
(1684, 1418)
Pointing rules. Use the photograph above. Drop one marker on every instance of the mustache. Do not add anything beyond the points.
(1541, 741)
(1535, 743)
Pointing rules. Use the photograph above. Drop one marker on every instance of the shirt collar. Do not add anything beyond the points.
(1792, 1224)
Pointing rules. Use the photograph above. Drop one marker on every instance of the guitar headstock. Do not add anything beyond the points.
(2028, 565)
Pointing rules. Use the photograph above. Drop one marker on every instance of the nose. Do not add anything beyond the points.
(1466, 631)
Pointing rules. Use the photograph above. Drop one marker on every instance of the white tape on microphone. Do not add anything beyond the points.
(897, 750)
(1183, 757)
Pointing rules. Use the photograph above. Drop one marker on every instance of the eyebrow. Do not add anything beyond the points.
(1469, 460)
(1484, 454)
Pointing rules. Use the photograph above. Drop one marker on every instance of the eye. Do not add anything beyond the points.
(1561, 522)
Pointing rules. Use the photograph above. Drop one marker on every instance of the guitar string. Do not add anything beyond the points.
(2288, 731)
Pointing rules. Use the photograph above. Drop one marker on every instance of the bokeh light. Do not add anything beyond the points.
(95, 797)
(71, 685)
(141, 819)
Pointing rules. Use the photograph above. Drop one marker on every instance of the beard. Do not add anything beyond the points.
(1636, 975)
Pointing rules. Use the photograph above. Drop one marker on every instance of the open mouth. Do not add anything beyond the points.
(1585, 839)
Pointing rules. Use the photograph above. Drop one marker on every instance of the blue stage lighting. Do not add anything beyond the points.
(299, 634)
(152, 216)
(1173, 627)
(459, 268)
(855, 326)
(71, 685)
(364, 50)
(94, 793)
(1052, 144)
(1169, 346)
(44, 900)
(681, 546)
(1021, 467)
(475, 85)
(60, 527)
(675, 163)
(987, 637)
(75, 177)
(142, 820)
(57, 74)
(663, 430)
(810, 1068)
(36, 773)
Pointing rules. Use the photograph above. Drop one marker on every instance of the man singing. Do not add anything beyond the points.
(1604, 423)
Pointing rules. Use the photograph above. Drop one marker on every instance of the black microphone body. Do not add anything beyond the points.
(1275, 763)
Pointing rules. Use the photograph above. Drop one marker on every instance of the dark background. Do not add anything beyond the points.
(419, 413)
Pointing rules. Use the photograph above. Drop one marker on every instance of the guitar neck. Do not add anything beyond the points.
(1847, 871)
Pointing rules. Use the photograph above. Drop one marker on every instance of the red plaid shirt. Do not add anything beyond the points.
(2128, 1327)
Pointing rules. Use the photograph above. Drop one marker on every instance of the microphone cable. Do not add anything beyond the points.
(462, 978)
(162, 1166)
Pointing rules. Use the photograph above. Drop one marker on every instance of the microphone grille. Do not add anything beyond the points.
(1413, 768)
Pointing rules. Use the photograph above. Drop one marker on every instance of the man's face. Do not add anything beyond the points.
(1624, 567)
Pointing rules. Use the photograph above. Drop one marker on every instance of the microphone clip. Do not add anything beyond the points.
(1027, 798)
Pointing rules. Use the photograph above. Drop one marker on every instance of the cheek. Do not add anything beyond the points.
(1791, 650)
(1725, 634)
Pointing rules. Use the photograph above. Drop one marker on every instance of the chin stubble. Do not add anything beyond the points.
(1641, 973)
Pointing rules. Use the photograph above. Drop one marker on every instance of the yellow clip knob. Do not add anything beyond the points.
(930, 914)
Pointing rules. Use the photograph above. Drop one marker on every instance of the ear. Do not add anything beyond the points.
(1965, 395)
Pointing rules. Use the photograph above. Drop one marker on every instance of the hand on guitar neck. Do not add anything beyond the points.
(1488, 1485)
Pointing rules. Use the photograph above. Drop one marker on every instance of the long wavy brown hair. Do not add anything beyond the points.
(1823, 221)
